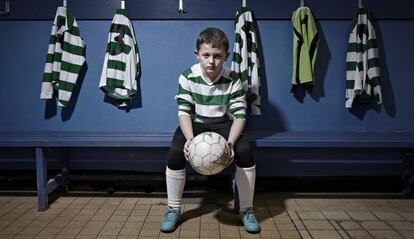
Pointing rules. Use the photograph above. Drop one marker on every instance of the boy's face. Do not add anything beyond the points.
(211, 59)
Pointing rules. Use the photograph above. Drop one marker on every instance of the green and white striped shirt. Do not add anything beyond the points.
(65, 57)
(245, 58)
(210, 102)
(121, 68)
(362, 60)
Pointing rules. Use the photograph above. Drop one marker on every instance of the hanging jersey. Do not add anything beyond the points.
(362, 60)
(305, 47)
(245, 58)
(210, 102)
(121, 68)
(65, 57)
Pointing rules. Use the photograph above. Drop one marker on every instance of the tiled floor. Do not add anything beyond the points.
(282, 215)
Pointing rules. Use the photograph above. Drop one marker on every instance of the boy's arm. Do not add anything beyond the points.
(236, 130)
(186, 126)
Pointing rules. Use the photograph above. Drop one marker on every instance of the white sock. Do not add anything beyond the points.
(175, 186)
(245, 180)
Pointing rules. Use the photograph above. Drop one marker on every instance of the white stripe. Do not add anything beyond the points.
(64, 95)
(185, 97)
(73, 59)
(210, 110)
(48, 68)
(68, 76)
(373, 72)
(46, 91)
(73, 40)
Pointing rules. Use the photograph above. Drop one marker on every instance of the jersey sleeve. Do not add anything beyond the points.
(237, 104)
(184, 98)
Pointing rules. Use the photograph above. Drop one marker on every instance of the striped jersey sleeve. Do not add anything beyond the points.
(245, 61)
(65, 57)
(206, 102)
(121, 68)
(362, 62)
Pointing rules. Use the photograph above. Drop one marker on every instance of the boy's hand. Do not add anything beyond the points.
(231, 146)
(187, 148)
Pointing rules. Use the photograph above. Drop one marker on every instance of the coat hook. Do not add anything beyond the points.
(181, 7)
(6, 9)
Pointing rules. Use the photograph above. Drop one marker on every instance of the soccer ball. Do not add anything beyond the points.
(209, 153)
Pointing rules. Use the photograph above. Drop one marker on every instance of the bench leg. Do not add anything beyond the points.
(41, 175)
(65, 170)
(407, 178)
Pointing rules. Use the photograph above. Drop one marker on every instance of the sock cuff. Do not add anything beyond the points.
(179, 174)
(251, 169)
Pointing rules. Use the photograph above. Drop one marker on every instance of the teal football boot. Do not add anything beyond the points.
(249, 221)
(170, 219)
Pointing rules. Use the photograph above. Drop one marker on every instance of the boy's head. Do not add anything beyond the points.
(212, 52)
(214, 36)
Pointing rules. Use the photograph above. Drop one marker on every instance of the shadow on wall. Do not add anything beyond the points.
(323, 58)
(270, 121)
(66, 113)
(388, 101)
(136, 101)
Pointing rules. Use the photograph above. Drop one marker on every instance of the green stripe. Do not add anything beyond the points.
(74, 31)
(240, 12)
(72, 68)
(237, 94)
(199, 80)
(183, 102)
(350, 84)
(373, 62)
(120, 28)
(66, 86)
(117, 65)
(64, 103)
(352, 65)
(236, 109)
(359, 47)
(112, 82)
(239, 39)
(187, 73)
(210, 100)
(182, 91)
(374, 81)
(76, 50)
(47, 77)
(240, 116)
(116, 47)
(55, 76)
(237, 57)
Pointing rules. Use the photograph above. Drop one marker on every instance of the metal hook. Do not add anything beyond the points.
(302, 3)
(360, 3)
(244, 3)
(65, 3)
(6, 9)
(181, 7)
(122, 4)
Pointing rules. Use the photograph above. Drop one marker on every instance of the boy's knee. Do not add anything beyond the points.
(176, 159)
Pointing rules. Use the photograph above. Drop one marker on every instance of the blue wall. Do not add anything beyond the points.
(166, 48)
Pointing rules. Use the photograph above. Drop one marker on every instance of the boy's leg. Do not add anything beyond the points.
(245, 180)
(175, 179)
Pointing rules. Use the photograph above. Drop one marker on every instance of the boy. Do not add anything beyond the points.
(210, 98)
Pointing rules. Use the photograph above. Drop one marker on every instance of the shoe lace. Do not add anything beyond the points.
(249, 216)
(170, 215)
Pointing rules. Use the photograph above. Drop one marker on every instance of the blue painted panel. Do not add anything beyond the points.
(166, 49)
(204, 9)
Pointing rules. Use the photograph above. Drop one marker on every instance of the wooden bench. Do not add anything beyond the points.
(42, 140)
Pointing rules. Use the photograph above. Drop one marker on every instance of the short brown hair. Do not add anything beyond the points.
(214, 36)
